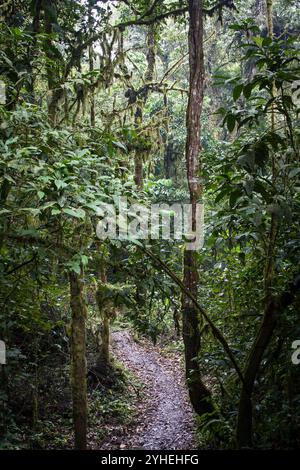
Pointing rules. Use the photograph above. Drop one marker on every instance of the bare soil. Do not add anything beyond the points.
(165, 417)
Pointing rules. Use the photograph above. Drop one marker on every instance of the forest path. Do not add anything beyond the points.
(165, 418)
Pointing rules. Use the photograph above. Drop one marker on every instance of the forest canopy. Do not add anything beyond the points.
(118, 331)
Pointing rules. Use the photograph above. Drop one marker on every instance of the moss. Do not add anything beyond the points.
(109, 295)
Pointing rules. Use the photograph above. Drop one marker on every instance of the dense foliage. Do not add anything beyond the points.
(96, 98)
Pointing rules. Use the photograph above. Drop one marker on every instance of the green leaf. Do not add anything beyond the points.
(84, 260)
(55, 211)
(234, 196)
(60, 184)
(48, 204)
(222, 194)
(75, 267)
(92, 206)
(134, 241)
(267, 41)
(30, 232)
(294, 172)
(119, 145)
(73, 212)
(221, 111)
(247, 90)
(4, 211)
(258, 40)
(9, 178)
(237, 92)
(32, 210)
(231, 121)
(235, 27)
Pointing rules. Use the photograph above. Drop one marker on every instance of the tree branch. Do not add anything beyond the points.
(145, 20)
(16, 268)
(215, 330)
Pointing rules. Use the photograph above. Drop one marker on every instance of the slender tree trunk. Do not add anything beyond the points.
(199, 394)
(56, 92)
(32, 48)
(35, 390)
(49, 9)
(78, 361)
(275, 307)
(4, 192)
(105, 337)
(91, 68)
(244, 426)
(138, 158)
(270, 17)
(151, 58)
(138, 118)
(104, 356)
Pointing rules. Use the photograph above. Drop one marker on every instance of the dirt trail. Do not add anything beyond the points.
(166, 419)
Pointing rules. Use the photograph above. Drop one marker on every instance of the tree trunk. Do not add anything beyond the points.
(270, 17)
(264, 335)
(266, 329)
(56, 92)
(199, 394)
(151, 59)
(105, 337)
(138, 169)
(138, 118)
(274, 308)
(78, 361)
(91, 68)
(104, 310)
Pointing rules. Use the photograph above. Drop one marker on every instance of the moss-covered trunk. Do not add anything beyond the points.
(105, 337)
(104, 310)
(138, 118)
(78, 361)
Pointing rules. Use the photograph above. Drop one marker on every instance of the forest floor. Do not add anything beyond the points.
(164, 418)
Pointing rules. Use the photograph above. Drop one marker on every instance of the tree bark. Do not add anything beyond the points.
(56, 92)
(104, 310)
(275, 307)
(105, 336)
(199, 394)
(138, 170)
(91, 67)
(138, 118)
(271, 310)
(78, 361)
(151, 58)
